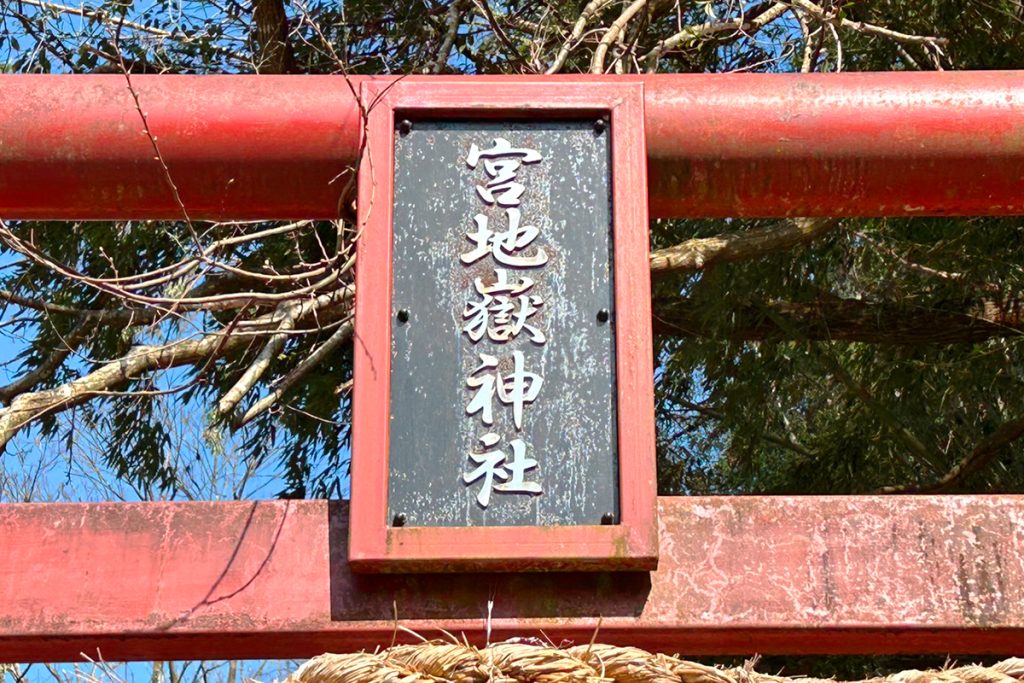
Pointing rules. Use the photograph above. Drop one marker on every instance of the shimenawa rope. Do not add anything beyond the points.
(517, 661)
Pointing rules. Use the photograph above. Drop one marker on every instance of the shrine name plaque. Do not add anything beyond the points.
(503, 413)
(502, 359)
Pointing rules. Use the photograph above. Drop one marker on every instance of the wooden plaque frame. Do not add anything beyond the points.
(632, 544)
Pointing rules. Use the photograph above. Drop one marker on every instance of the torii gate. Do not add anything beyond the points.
(816, 574)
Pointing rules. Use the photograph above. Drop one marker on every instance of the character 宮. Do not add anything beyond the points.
(501, 163)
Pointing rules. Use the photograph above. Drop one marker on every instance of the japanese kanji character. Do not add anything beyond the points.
(505, 302)
(504, 245)
(497, 465)
(483, 399)
(519, 388)
(515, 389)
(501, 162)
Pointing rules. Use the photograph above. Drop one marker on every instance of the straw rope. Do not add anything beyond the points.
(523, 662)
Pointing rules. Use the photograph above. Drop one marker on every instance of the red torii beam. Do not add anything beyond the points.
(248, 147)
(737, 575)
(853, 574)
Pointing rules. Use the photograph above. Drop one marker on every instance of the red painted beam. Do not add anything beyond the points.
(737, 575)
(247, 147)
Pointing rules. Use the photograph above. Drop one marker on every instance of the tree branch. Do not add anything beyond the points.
(49, 365)
(289, 316)
(274, 55)
(452, 22)
(850, 320)
(864, 27)
(763, 16)
(612, 34)
(340, 336)
(591, 9)
(983, 454)
(31, 406)
(701, 252)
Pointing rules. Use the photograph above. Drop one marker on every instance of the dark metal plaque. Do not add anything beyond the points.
(503, 361)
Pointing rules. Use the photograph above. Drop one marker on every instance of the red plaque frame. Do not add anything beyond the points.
(632, 544)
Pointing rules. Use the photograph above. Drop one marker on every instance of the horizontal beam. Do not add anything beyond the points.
(737, 575)
(260, 147)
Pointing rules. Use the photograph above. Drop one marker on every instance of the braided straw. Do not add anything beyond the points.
(521, 662)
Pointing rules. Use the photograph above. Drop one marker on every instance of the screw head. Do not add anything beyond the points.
(403, 315)
(404, 127)
(600, 126)
(399, 519)
(607, 519)
(603, 315)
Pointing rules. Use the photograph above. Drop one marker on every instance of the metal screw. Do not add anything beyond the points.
(600, 126)
(399, 519)
(403, 315)
(602, 315)
(404, 127)
(607, 519)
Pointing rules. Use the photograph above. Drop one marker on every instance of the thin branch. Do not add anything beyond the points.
(485, 8)
(612, 34)
(591, 9)
(864, 27)
(747, 26)
(979, 458)
(342, 335)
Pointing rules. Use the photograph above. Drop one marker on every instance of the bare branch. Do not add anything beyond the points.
(848, 320)
(743, 24)
(340, 336)
(288, 315)
(700, 252)
(30, 406)
(612, 34)
(591, 9)
(864, 27)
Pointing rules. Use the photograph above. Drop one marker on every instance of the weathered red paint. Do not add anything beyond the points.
(633, 542)
(737, 575)
(241, 147)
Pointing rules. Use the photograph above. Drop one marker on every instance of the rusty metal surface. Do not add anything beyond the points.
(737, 575)
(863, 144)
(568, 430)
